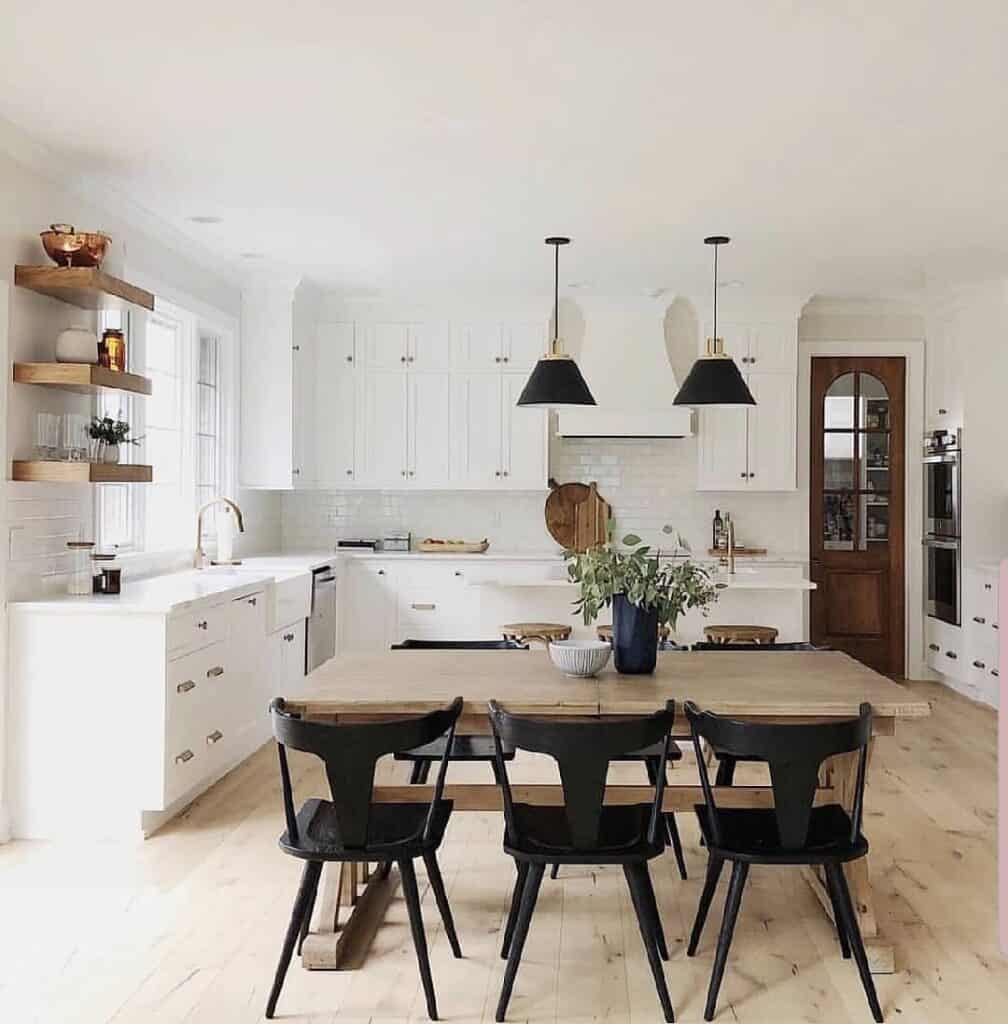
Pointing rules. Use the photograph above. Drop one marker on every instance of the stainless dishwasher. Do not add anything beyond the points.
(320, 642)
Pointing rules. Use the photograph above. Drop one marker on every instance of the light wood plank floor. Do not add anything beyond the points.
(187, 926)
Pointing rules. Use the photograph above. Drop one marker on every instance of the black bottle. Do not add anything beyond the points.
(718, 527)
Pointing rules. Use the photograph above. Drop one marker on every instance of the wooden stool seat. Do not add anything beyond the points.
(740, 634)
(543, 631)
(604, 632)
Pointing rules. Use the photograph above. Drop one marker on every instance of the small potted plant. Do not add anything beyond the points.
(110, 434)
(644, 591)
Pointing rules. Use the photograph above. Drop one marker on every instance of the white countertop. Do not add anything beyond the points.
(744, 579)
(772, 558)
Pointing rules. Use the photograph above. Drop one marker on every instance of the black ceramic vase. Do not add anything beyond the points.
(635, 637)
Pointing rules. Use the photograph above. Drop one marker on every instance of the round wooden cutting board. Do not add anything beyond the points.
(577, 516)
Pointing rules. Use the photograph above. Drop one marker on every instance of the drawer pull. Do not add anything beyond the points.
(185, 687)
(186, 755)
(289, 637)
(933, 647)
(253, 601)
(952, 655)
(217, 670)
(458, 572)
(994, 672)
(979, 664)
(215, 737)
(423, 607)
(988, 586)
(202, 624)
(979, 619)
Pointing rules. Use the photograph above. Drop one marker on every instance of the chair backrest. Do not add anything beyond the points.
(794, 752)
(350, 751)
(582, 750)
(459, 645)
(707, 646)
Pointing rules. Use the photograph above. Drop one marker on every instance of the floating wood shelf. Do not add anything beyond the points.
(52, 472)
(86, 287)
(81, 378)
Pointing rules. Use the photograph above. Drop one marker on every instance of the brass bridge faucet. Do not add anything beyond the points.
(200, 560)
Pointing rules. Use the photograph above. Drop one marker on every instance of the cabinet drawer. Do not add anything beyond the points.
(945, 650)
(189, 631)
(187, 762)
(193, 683)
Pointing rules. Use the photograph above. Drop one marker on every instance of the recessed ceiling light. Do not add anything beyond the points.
(206, 218)
(251, 255)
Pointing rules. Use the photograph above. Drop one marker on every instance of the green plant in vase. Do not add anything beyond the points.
(110, 434)
(644, 591)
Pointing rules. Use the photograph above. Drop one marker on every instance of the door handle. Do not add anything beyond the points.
(423, 607)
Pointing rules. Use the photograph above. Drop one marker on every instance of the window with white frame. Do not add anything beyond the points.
(182, 429)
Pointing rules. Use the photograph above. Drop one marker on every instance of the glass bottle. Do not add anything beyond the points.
(113, 350)
(79, 581)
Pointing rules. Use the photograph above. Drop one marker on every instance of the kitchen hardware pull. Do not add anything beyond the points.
(458, 572)
(952, 655)
(497, 473)
(295, 348)
(186, 755)
(744, 476)
(213, 673)
(185, 687)
(402, 359)
(381, 572)
(943, 412)
(411, 473)
(505, 472)
(505, 359)
(404, 472)
(423, 607)
(497, 359)
(202, 624)
(979, 664)
(980, 619)
(288, 637)
(215, 737)
(988, 586)
(411, 359)
(349, 472)
(933, 647)
(994, 672)
(349, 359)
(295, 472)
(253, 601)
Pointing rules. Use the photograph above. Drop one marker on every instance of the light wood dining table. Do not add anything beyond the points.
(756, 686)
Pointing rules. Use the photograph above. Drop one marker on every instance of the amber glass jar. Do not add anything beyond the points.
(113, 350)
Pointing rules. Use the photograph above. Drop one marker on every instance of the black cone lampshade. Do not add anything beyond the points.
(556, 379)
(714, 378)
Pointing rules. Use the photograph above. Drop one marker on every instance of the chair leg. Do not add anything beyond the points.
(673, 833)
(384, 870)
(714, 866)
(415, 773)
(412, 895)
(530, 891)
(554, 871)
(516, 895)
(309, 910)
(725, 771)
(854, 936)
(638, 894)
(652, 908)
(424, 772)
(740, 871)
(309, 882)
(437, 884)
(838, 920)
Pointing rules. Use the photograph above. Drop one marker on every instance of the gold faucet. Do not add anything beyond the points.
(200, 560)
(731, 547)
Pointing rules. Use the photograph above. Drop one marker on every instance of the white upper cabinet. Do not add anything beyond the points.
(477, 430)
(525, 439)
(477, 345)
(429, 455)
(754, 449)
(524, 344)
(384, 460)
(336, 401)
(386, 346)
(429, 347)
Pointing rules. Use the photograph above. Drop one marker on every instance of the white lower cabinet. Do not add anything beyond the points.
(160, 706)
(981, 627)
(945, 649)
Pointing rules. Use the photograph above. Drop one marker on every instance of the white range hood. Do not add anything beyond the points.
(625, 363)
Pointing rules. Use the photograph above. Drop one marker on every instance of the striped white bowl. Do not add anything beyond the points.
(580, 658)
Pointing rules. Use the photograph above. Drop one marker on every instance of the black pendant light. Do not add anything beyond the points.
(714, 378)
(556, 379)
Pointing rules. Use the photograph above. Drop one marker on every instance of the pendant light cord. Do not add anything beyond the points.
(556, 297)
(715, 294)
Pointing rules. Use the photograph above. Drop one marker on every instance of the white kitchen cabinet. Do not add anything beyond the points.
(286, 659)
(498, 344)
(525, 448)
(946, 652)
(432, 603)
(416, 346)
(243, 690)
(525, 342)
(496, 445)
(944, 374)
(336, 405)
(754, 449)
(982, 634)
(384, 460)
(428, 456)
(368, 606)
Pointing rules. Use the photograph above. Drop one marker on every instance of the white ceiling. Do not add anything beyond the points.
(848, 148)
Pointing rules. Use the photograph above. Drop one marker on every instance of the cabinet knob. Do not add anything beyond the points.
(411, 473)
(505, 359)
(505, 473)
(295, 348)
(349, 472)
(404, 472)
(933, 647)
(458, 572)
(402, 359)
(288, 637)
(952, 655)
(201, 624)
(994, 672)
(215, 737)
(980, 619)
(988, 586)
(186, 755)
(213, 673)
(497, 472)
(349, 359)
(744, 475)
(979, 664)
(295, 472)
(411, 359)
(253, 601)
(943, 412)
(497, 359)
(185, 687)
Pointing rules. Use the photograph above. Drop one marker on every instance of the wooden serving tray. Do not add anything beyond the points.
(452, 547)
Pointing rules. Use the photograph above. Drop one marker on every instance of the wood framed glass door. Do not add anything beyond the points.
(856, 507)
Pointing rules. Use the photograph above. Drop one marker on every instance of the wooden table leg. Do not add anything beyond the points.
(842, 773)
(332, 945)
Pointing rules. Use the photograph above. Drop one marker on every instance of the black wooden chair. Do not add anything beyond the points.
(727, 765)
(464, 747)
(350, 827)
(793, 831)
(583, 830)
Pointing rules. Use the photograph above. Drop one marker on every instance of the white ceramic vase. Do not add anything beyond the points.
(110, 453)
(77, 345)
